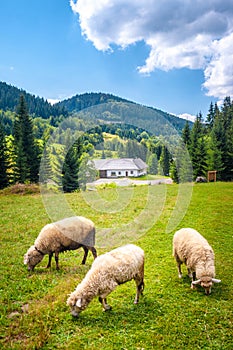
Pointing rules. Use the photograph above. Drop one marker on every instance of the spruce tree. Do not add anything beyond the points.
(186, 135)
(46, 172)
(152, 164)
(164, 161)
(87, 171)
(70, 171)
(3, 160)
(221, 142)
(227, 145)
(70, 179)
(201, 166)
(196, 146)
(210, 117)
(174, 172)
(26, 151)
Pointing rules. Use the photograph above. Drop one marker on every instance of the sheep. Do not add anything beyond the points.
(67, 234)
(191, 248)
(107, 272)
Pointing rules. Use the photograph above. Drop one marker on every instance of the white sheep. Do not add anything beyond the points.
(107, 272)
(67, 234)
(192, 249)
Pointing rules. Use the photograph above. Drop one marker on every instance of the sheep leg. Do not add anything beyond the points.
(103, 301)
(56, 259)
(50, 259)
(178, 264)
(94, 253)
(85, 255)
(193, 279)
(179, 269)
(140, 288)
(190, 273)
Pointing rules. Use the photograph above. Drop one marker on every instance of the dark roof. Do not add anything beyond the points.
(120, 164)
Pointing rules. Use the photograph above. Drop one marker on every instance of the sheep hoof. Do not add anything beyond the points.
(107, 308)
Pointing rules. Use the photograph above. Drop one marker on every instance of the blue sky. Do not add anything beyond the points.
(175, 55)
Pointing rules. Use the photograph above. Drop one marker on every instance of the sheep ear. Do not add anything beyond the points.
(79, 303)
(196, 282)
(215, 280)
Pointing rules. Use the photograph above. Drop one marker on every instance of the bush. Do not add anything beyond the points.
(22, 189)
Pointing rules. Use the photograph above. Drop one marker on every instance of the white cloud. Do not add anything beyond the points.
(187, 116)
(219, 72)
(180, 33)
(52, 101)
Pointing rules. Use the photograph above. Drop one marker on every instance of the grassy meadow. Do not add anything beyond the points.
(33, 311)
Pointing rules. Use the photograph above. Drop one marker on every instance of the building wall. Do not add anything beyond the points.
(125, 173)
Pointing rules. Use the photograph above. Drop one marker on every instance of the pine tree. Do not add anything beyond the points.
(26, 151)
(70, 171)
(164, 161)
(221, 142)
(87, 171)
(152, 164)
(196, 146)
(70, 179)
(3, 160)
(227, 146)
(181, 170)
(216, 146)
(46, 172)
(186, 135)
(201, 166)
(174, 172)
(210, 117)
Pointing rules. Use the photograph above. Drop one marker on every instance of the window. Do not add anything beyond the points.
(131, 172)
(119, 172)
(113, 173)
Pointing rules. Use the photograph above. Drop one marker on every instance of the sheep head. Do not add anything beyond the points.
(76, 304)
(206, 282)
(32, 258)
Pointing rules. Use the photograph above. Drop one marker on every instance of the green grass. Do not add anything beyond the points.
(33, 311)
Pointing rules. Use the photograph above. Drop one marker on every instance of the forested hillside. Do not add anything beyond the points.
(37, 106)
(39, 109)
(130, 112)
(79, 102)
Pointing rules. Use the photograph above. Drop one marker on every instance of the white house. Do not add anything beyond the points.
(123, 167)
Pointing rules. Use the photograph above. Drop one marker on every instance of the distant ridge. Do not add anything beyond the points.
(86, 100)
(39, 107)
(80, 102)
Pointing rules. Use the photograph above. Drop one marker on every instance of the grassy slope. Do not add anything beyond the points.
(169, 316)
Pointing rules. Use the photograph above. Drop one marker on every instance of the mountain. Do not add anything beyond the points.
(100, 107)
(95, 107)
(37, 106)
(82, 101)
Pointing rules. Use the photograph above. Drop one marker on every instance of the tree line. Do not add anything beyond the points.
(209, 144)
(37, 106)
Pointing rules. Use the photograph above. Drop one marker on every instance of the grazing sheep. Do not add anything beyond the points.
(191, 248)
(67, 234)
(107, 272)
